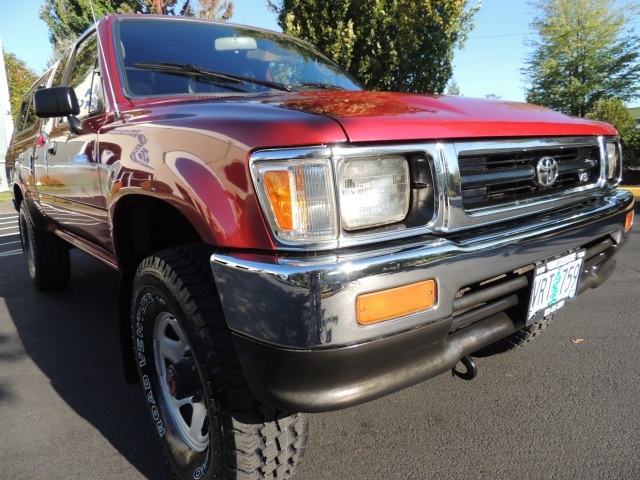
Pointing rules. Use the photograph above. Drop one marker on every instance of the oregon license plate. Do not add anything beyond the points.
(554, 281)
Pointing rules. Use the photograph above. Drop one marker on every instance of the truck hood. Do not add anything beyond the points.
(326, 117)
(386, 116)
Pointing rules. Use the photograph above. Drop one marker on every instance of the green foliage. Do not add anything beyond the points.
(453, 89)
(402, 45)
(213, 9)
(20, 78)
(614, 112)
(631, 149)
(67, 19)
(584, 52)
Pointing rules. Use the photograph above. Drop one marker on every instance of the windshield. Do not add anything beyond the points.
(178, 57)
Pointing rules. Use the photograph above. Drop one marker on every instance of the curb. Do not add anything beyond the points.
(7, 208)
(634, 190)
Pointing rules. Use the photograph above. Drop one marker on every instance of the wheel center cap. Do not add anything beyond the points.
(172, 381)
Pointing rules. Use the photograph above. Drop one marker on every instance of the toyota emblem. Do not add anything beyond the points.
(547, 170)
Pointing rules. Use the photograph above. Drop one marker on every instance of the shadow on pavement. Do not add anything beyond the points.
(72, 337)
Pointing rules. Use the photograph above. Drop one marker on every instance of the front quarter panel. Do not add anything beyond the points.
(201, 174)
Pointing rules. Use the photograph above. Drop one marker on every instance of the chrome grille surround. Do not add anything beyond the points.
(498, 174)
(448, 179)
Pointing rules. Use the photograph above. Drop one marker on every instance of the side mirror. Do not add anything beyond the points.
(58, 102)
(55, 102)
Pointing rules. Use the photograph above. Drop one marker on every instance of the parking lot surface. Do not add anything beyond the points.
(563, 407)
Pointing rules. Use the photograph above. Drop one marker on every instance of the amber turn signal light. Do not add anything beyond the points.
(395, 302)
(279, 192)
(628, 222)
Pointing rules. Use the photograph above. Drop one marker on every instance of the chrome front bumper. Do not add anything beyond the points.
(294, 316)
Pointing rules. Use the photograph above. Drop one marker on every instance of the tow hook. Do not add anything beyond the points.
(471, 369)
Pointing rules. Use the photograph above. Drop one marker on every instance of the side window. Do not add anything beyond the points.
(85, 77)
(21, 121)
(58, 80)
(27, 117)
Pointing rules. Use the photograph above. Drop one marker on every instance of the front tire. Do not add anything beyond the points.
(517, 339)
(217, 429)
(47, 255)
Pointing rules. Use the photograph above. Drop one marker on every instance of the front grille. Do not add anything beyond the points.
(496, 177)
(509, 293)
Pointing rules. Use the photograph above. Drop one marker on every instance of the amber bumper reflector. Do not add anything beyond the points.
(396, 302)
(629, 222)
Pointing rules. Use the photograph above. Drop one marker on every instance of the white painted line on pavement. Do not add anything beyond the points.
(10, 253)
(9, 243)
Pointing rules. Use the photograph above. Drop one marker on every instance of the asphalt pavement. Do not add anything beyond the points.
(9, 245)
(563, 407)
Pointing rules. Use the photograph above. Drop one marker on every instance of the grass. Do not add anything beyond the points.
(5, 197)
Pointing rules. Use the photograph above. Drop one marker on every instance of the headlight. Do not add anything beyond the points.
(613, 161)
(299, 196)
(373, 191)
(298, 199)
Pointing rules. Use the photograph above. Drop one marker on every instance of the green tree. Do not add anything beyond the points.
(631, 150)
(402, 45)
(585, 51)
(453, 89)
(614, 112)
(214, 9)
(67, 19)
(20, 78)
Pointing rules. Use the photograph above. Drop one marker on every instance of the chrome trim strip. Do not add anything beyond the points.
(499, 146)
(449, 213)
(336, 154)
(305, 301)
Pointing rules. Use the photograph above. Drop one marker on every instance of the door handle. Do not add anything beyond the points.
(52, 148)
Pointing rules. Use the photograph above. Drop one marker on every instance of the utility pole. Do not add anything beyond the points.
(6, 122)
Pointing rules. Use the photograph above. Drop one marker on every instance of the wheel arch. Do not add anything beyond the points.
(143, 225)
(36, 215)
(17, 196)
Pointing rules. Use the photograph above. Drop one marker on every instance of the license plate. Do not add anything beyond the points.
(554, 281)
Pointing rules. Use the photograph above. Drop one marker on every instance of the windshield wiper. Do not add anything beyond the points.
(196, 70)
(321, 85)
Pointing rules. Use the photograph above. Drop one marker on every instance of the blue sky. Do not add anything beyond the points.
(489, 63)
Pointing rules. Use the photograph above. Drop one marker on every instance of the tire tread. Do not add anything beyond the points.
(261, 442)
(516, 339)
(51, 256)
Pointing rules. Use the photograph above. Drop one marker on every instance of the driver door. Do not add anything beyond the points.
(70, 183)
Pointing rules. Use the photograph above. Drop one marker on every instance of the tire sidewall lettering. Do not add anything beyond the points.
(143, 306)
(147, 300)
(199, 472)
(148, 306)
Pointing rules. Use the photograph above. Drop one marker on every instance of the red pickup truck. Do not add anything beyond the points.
(289, 242)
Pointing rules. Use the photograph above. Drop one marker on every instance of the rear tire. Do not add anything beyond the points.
(219, 430)
(515, 340)
(47, 255)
